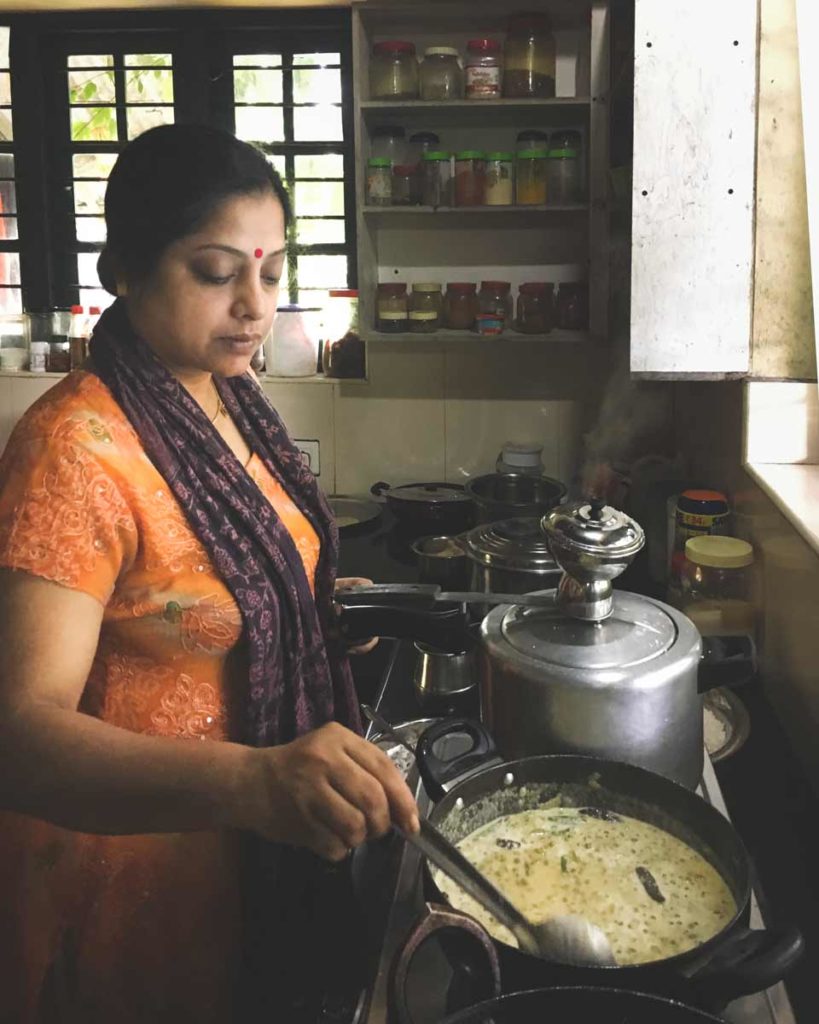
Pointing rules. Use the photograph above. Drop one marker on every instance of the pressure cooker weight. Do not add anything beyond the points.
(652, 895)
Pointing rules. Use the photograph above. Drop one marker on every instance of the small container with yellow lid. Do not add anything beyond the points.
(717, 585)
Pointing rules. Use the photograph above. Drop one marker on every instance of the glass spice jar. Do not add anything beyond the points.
(425, 307)
(536, 313)
(440, 74)
(470, 174)
(499, 189)
(343, 354)
(405, 186)
(436, 179)
(494, 307)
(393, 71)
(530, 183)
(391, 308)
(529, 57)
(379, 181)
(563, 170)
(572, 306)
(460, 306)
(418, 144)
(717, 585)
(483, 69)
(389, 141)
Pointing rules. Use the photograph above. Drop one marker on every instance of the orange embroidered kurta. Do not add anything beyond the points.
(123, 928)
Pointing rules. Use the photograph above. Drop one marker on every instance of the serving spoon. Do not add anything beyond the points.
(567, 938)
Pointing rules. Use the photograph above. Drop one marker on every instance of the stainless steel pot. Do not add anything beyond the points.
(509, 495)
(511, 557)
(442, 560)
(440, 676)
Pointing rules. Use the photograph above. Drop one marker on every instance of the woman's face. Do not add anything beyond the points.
(210, 301)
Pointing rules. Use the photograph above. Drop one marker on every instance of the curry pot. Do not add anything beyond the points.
(736, 961)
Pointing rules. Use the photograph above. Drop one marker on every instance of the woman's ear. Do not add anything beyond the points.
(122, 288)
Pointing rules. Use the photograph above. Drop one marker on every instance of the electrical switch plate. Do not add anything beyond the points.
(310, 453)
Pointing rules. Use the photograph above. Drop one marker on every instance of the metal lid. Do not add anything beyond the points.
(592, 528)
(511, 544)
(637, 631)
(438, 493)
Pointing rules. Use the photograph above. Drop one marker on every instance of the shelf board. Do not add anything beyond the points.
(561, 111)
(567, 337)
(471, 210)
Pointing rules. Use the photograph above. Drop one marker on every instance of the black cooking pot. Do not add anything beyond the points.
(428, 508)
(581, 1004)
(736, 961)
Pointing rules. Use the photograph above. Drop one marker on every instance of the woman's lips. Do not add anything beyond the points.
(242, 342)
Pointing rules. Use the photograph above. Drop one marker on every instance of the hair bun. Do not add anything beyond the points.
(105, 272)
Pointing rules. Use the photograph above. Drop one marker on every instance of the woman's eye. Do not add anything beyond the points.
(210, 278)
(271, 278)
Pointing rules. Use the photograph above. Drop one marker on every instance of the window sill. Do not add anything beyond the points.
(794, 489)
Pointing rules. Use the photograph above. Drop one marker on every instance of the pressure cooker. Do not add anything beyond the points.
(593, 670)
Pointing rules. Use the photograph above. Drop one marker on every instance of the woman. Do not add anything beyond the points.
(170, 675)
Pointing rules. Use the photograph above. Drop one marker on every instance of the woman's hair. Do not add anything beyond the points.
(166, 184)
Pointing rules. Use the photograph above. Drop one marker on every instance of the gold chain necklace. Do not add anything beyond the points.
(220, 405)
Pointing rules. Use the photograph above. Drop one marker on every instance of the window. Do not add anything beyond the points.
(289, 104)
(10, 296)
(274, 79)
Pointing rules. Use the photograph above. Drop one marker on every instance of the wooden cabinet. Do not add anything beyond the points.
(512, 243)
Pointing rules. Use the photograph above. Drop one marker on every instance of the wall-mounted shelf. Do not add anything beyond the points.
(494, 211)
(466, 113)
(466, 337)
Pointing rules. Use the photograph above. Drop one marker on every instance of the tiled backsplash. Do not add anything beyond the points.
(429, 410)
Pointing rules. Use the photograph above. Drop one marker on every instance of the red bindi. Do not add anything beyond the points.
(257, 253)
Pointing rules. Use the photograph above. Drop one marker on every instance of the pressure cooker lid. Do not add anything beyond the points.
(593, 528)
(636, 632)
(518, 543)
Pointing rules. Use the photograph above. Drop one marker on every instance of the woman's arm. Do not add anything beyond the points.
(328, 790)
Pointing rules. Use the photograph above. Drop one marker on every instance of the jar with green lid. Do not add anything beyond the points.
(425, 307)
(530, 184)
(499, 187)
(563, 172)
(470, 174)
(436, 178)
(379, 181)
(717, 585)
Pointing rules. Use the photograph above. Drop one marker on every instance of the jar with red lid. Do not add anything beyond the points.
(483, 74)
(494, 307)
(391, 308)
(470, 177)
(460, 306)
(572, 306)
(536, 309)
(343, 351)
(393, 71)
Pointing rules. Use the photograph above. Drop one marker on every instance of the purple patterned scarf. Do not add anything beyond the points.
(299, 676)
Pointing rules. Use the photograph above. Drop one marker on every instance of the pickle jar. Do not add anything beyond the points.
(529, 58)
(425, 307)
(530, 182)
(460, 306)
(393, 71)
(536, 310)
(440, 74)
(494, 307)
(391, 308)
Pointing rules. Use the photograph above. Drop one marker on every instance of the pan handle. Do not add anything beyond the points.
(436, 772)
(726, 661)
(444, 626)
(747, 961)
(437, 917)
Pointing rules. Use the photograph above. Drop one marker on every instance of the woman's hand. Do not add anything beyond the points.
(329, 790)
(346, 583)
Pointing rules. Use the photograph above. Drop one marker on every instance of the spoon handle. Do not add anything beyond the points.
(452, 862)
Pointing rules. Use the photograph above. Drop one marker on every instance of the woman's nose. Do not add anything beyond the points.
(254, 299)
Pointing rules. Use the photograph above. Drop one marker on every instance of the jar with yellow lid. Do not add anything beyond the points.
(717, 585)
(425, 307)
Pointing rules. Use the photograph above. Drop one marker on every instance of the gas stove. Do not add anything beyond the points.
(390, 872)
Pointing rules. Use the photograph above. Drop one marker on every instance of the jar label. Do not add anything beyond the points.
(383, 315)
(423, 314)
(490, 323)
(379, 186)
(485, 82)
